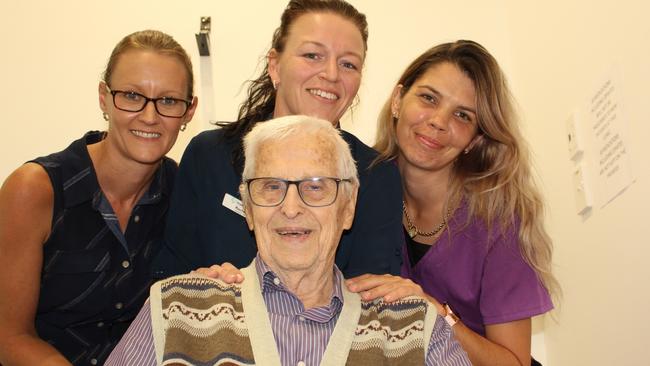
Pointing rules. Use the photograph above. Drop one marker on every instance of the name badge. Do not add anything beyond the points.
(233, 204)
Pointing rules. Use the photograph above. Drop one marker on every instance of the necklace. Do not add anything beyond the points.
(413, 229)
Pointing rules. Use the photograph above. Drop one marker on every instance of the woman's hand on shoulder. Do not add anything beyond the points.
(225, 272)
(388, 287)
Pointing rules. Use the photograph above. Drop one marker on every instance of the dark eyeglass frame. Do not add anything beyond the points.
(297, 184)
(147, 100)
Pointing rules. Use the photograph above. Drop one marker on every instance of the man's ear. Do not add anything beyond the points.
(247, 207)
(348, 210)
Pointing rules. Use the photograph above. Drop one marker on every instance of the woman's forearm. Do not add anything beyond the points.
(26, 349)
(514, 348)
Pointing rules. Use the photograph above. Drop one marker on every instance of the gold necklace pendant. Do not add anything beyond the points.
(413, 232)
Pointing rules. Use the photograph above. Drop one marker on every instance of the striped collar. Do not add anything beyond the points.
(270, 285)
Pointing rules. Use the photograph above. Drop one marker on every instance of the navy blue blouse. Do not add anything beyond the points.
(94, 277)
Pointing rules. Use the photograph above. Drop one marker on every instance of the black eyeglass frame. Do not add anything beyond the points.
(147, 100)
(297, 184)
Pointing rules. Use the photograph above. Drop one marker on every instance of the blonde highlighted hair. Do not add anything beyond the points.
(494, 178)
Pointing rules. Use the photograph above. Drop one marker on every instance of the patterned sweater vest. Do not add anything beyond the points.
(201, 321)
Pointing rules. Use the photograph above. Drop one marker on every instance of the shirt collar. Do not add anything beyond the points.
(270, 282)
(86, 185)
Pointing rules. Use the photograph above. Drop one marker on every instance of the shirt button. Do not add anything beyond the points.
(301, 363)
(276, 281)
(301, 318)
(93, 361)
(126, 264)
(100, 324)
(136, 219)
(119, 306)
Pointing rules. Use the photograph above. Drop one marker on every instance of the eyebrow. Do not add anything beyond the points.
(140, 90)
(439, 94)
(318, 44)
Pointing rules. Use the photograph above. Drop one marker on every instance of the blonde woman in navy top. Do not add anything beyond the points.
(79, 228)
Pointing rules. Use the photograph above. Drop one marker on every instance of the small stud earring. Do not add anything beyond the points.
(183, 126)
(466, 151)
(105, 115)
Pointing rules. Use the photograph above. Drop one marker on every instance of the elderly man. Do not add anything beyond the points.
(299, 191)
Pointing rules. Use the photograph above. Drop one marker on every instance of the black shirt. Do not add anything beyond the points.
(94, 277)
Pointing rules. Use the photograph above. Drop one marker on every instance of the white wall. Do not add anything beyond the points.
(53, 54)
(561, 49)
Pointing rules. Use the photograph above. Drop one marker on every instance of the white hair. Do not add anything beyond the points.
(280, 128)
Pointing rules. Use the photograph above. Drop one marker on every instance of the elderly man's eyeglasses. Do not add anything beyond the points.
(314, 192)
(130, 101)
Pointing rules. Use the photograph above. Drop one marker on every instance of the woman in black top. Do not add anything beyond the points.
(79, 228)
(314, 67)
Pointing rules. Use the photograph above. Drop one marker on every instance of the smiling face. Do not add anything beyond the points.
(293, 237)
(145, 136)
(436, 118)
(319, 71)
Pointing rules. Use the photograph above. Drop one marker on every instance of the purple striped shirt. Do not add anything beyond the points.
(300, 335)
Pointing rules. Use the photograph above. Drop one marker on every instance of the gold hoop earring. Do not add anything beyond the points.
(183, 126)
(105, 115)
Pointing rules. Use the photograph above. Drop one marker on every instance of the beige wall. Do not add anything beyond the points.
(53, 54)
(561, 49)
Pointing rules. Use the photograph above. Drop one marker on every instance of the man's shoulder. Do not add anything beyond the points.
(396, 331)
(195, 286)
(408, 306)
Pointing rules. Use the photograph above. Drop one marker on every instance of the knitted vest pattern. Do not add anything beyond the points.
(205, 323)
(202, 322)
(389, 334)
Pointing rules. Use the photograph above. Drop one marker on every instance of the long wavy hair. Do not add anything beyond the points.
(494, 178)
(260, 102)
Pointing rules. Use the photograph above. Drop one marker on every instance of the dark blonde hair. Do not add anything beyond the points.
(151, 40)
(494, 178)
(260, 102)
